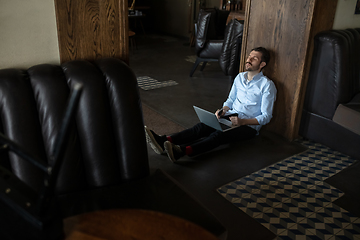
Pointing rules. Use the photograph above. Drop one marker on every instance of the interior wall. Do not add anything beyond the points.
(286, 29)
(28, 33)
(172, 17)
(345, 17)
(212, 3)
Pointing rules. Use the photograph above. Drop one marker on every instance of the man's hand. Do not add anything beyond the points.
(221, 112)
(236, 121)
(239, 122)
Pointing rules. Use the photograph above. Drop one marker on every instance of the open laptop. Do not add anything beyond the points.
(211, 120)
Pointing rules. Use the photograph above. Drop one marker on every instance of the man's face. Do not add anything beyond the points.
(253, 62)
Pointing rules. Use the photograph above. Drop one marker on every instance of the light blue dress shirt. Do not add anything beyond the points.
(252, 99)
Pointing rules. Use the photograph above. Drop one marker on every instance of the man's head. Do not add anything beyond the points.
(257, 59)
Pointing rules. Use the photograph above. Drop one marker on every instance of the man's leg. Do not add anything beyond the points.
(191, 135)
(187, 136)
(155, 141)
(215, 139)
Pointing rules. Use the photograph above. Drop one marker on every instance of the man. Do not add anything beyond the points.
(248, 106)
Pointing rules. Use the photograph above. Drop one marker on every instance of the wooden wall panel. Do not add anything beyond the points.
(286, 28)
(92, 29)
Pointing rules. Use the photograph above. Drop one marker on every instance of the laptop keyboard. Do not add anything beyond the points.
(224, 127)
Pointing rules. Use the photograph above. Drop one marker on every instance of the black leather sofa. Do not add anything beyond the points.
(105, 163)
(107, 147)
(331, 113)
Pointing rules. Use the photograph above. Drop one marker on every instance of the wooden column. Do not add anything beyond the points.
(286, 28)
(92, 29)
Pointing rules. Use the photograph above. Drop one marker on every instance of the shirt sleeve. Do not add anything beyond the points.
(232, 95)
(267, 103)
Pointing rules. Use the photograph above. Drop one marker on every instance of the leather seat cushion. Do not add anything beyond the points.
(348, 115)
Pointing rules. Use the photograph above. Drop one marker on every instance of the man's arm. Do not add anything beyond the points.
(239, 122)
(267, 105)
(232, 94)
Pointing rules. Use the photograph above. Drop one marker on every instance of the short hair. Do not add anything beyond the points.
(265, 55)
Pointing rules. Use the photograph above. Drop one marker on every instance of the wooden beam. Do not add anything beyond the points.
(286, 28)
(92, 29)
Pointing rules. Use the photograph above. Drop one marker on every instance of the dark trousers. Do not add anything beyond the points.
(203, 138)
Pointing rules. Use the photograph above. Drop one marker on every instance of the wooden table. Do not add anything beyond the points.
(132, 224)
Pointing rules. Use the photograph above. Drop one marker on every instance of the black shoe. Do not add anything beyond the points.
(156, 142)
(173, 151)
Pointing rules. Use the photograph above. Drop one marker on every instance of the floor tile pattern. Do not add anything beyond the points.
(148, 83)
(291, 199)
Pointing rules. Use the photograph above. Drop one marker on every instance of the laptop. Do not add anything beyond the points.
(211, 120)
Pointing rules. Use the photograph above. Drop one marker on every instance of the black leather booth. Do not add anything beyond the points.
(331, 113)
(107, 147)
(105, 159)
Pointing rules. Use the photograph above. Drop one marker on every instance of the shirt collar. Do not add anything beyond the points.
(256, 77)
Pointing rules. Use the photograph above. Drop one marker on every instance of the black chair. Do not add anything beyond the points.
(225, 51)
(209, 36)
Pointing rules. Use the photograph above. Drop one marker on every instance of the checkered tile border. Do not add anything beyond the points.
(291, 199)
(148, 83)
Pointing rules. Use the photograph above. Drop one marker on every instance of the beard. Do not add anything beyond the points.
(251, 67)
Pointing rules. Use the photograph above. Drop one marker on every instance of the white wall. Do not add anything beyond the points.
(28, 33)
(344, 16)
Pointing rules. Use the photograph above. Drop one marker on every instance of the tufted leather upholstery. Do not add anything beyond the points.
(334, 79)
(107, 145)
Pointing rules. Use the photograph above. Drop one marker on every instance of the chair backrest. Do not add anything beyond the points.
(229, 59)
(36, 214)
(334, 76)
(202, 29)
(211, 24)
(107, 141)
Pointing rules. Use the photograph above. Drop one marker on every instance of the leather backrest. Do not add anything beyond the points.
(334, 75)
(210, 25)
(107, 142)
(231, 48)
(202, 29)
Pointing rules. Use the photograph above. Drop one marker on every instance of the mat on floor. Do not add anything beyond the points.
(291, 199)
(148, 83)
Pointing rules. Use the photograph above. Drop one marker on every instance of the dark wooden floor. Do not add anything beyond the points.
(164, 58)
